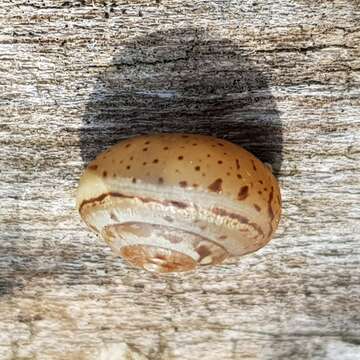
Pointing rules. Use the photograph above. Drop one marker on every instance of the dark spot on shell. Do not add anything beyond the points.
(144, 163)
(168, 218)
(222, 237)
(253, 164)
(265, 189)
(261, 182)
(131, 158)
(195, 185)
(121, 161)
(145, 149)
(259, 192)
(134, 180)
(243, 192)
(203, 174)
(93, 167)
(177, 170)
(220, 144)
(257, 207)
(104, 174)
(197, 168)
(127, 145)
(160, 180)
(183, 183)
(239, 176)
(147, 142)
(216, 185)
(184, 136)
(113, 216)
(114, 175)
(128, 167)
(225, 153)
(208, 155)
(194, 144)
(155, 161)
(180, 157)
(220, 162)
(237, 164)
(203, 251)
(228, 174)
(160, 257)
(178, 204)
(166, 148)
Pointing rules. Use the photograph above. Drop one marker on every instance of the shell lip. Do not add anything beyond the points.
(217, 205)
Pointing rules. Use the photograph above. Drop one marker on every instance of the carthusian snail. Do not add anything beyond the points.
(172, 202)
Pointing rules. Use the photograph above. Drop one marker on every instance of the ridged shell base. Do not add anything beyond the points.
(161, 248)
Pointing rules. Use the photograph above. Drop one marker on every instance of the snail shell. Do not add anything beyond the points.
(172, 202)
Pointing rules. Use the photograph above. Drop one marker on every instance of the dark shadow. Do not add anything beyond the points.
(183, 81)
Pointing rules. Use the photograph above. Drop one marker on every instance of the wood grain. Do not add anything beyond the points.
(280, 77)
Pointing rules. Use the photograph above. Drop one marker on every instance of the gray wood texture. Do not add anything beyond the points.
(280, 77)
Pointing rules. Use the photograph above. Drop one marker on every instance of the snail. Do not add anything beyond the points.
(173, 202)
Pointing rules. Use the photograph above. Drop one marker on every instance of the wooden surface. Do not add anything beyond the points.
(281, 77)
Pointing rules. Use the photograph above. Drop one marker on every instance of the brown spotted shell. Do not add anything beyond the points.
(172, 202)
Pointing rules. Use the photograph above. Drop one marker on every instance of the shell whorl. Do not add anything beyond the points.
(162, 248)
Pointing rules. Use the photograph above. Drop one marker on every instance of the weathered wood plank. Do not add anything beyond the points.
(280, 77)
